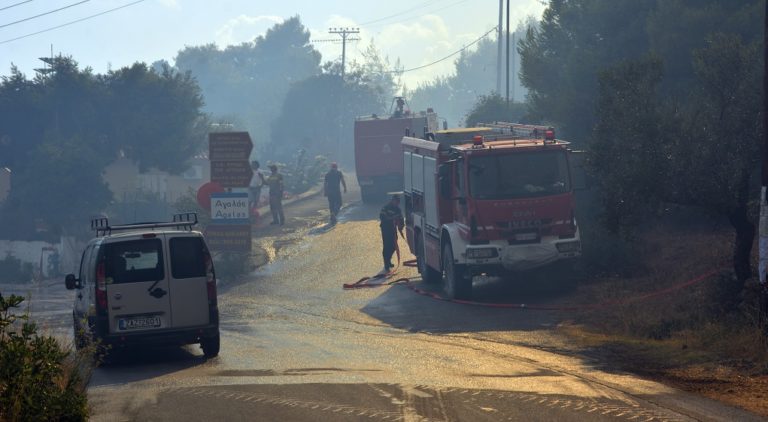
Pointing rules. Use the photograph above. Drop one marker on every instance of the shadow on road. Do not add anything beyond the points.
(132, 364)
(422, 307)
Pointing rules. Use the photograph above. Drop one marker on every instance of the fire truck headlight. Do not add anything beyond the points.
(482, 253)
(563, 247)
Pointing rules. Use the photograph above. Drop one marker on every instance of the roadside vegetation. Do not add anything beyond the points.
(41, 379)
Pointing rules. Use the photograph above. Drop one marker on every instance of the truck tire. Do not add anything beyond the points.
(457, 284)
(428, 274)
(210, 345)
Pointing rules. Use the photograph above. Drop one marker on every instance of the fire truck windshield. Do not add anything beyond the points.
(518, 175)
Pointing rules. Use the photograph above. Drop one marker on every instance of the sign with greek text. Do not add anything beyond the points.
(229, 237)
(230, 208)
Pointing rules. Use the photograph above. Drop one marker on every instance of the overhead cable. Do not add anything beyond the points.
(46, 13)
(446, 57)
(14, 5)
(72, 22)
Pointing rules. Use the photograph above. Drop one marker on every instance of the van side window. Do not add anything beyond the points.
(187, 257)
(134, 261)
(83, 275)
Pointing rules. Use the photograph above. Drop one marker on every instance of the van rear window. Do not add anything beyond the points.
(187, 257)
(134, 261)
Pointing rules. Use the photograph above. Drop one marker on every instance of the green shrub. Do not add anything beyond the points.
(39, 379)
(12, 270)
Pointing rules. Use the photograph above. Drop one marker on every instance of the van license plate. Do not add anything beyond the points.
(139, 323)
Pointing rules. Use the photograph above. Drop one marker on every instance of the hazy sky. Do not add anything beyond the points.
(415, 31)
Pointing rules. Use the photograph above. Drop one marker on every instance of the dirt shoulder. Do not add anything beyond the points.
(669, 324)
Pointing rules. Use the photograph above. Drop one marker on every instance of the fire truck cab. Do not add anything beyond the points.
(489, 200)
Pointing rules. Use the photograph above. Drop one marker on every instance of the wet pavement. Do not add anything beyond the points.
(296, 346)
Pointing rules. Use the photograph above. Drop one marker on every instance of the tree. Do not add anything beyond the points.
(629, 151)
(562, 58)
(493, 108)
(248, 82)
(703, 152)
(59, 131)
(156, 119)
(318, 114)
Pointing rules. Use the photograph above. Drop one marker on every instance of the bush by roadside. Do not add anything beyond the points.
(40, 379)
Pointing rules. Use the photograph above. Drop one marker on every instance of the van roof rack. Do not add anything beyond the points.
(181, 221)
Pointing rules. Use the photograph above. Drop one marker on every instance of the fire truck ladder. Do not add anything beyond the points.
(520, 130)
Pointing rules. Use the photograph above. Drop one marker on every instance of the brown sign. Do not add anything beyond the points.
(229, 237)
(229, 146)
(229, 153)
(231, 174)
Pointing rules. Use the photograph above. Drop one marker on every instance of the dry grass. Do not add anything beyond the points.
(708, 337)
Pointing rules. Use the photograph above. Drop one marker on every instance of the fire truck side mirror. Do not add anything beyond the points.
(444, 179)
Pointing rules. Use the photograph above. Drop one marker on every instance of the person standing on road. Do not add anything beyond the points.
(257, 182)
(391, 222)
(332, 189)
(275, 183)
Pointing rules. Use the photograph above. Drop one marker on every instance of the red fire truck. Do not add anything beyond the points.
(488, 200)
(378, 150)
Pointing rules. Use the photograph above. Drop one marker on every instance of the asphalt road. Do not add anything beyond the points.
(297, 347)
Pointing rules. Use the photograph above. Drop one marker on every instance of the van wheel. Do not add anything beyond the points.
(457, 284)
(428, 275)
(210, 345)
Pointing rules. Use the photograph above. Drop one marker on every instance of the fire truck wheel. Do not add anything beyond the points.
(428, 275)
(457, 284)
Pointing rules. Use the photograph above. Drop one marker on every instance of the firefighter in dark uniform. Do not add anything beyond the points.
(334, 179)
(391, 223)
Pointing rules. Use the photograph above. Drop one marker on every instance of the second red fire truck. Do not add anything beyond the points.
(489, 200)
(377, 148)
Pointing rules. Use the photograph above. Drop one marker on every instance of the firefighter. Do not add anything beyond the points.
(391, 223)
(334, 179)
(275, 183)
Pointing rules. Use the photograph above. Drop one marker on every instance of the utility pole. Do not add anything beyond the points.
(344, 32)
(498, 55)
(763, 225)
(514, 72)
(507, 53)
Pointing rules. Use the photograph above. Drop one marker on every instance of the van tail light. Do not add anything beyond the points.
(210, 279)
(101, 288)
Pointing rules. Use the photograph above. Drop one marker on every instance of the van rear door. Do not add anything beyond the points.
(138, 293)
(189, 293)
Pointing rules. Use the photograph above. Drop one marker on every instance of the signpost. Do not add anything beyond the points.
(229, 153)
(230, 228)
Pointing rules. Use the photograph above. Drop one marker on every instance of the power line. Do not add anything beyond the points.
(422, 15)
(72, 22)
(425, 4)
(446, 57)
(14, 5)
(46, 13)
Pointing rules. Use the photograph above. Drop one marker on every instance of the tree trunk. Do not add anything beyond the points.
(745, 236)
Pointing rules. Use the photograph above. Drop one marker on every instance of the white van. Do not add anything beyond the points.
(147, 283)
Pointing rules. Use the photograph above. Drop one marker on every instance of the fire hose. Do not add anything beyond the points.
(385, 280)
